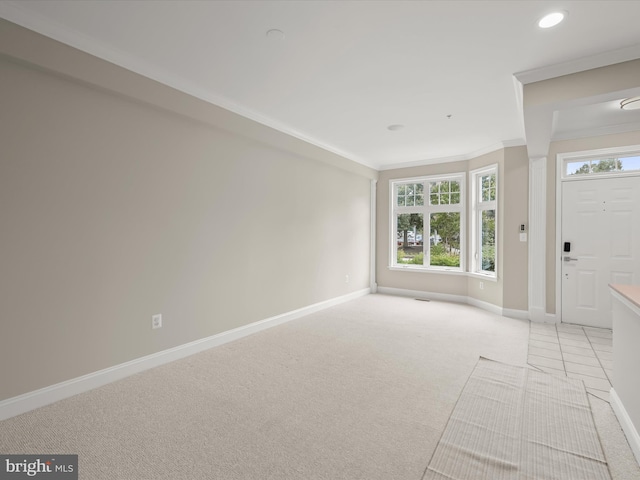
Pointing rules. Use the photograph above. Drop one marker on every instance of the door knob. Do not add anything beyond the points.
(568, 258)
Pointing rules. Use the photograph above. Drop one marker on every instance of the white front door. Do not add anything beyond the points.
(601, 231)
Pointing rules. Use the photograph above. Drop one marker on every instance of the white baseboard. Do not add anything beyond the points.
(551, 318)
(538, 315)
(490, 307)
(625, 422)
(45, 396)
(401, 292)
(517, 314)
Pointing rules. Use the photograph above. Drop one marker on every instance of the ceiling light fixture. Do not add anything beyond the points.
(551, 20)
(395, 127)
(632, 103)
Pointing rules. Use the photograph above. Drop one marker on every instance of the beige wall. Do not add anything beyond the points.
(516, 212)
(451, 284)
(585, 84)
(114, 209)
(491, 291)
(542, 101)
(121, 198)
(510, 291)
(567, 146)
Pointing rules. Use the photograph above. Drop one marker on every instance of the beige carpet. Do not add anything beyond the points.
(362, 390)
(515, 423)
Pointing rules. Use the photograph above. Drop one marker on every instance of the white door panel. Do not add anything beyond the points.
(601, 219)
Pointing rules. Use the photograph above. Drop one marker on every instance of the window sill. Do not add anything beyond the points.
(448, 271)
(483, 276)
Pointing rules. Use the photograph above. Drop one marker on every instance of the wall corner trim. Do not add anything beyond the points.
(633, 437)
(39, 398)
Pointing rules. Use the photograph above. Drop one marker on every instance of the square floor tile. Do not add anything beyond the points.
(552, 371)
(585, 352)
(566, 327)
(598, 332)
(606, 364)
(545, 362)
(573, 336)
(543, 326)
(579, 352)
(597, 372)
(602, 348)
(575, 343)
(545, 345)
(592, 382)
(543, 338)
(581, 359)
(544, 352)
(604, 355)
(606, 336)
(599, 393)
(600, 341)
(545, 333)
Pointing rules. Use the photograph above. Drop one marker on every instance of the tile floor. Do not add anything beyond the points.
(574, 351)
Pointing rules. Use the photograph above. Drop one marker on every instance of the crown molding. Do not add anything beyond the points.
(579, 65)
(15, 13)
(598, 131)
(457, 158)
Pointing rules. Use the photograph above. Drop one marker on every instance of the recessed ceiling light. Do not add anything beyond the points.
(395, 127)
(632, 103)
(551, 20)
(275, 34)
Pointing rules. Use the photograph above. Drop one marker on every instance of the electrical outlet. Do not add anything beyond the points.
(156, 321)
(481, 285)
(346, 279)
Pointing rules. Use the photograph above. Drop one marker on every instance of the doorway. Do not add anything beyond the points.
(599, 237)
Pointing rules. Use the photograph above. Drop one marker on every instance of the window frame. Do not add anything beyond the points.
(477, 206)
(427, 209)
(618, 153)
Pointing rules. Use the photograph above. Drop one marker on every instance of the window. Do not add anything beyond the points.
(428, 204)
(600, 165)
(484, 205)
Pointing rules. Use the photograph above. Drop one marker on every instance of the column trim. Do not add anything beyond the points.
(537, 238)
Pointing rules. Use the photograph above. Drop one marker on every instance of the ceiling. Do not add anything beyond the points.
(344, 71)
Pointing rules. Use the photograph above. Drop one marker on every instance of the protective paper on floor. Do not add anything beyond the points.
(518, 423)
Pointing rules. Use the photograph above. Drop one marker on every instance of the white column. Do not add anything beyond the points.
(537, 238)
